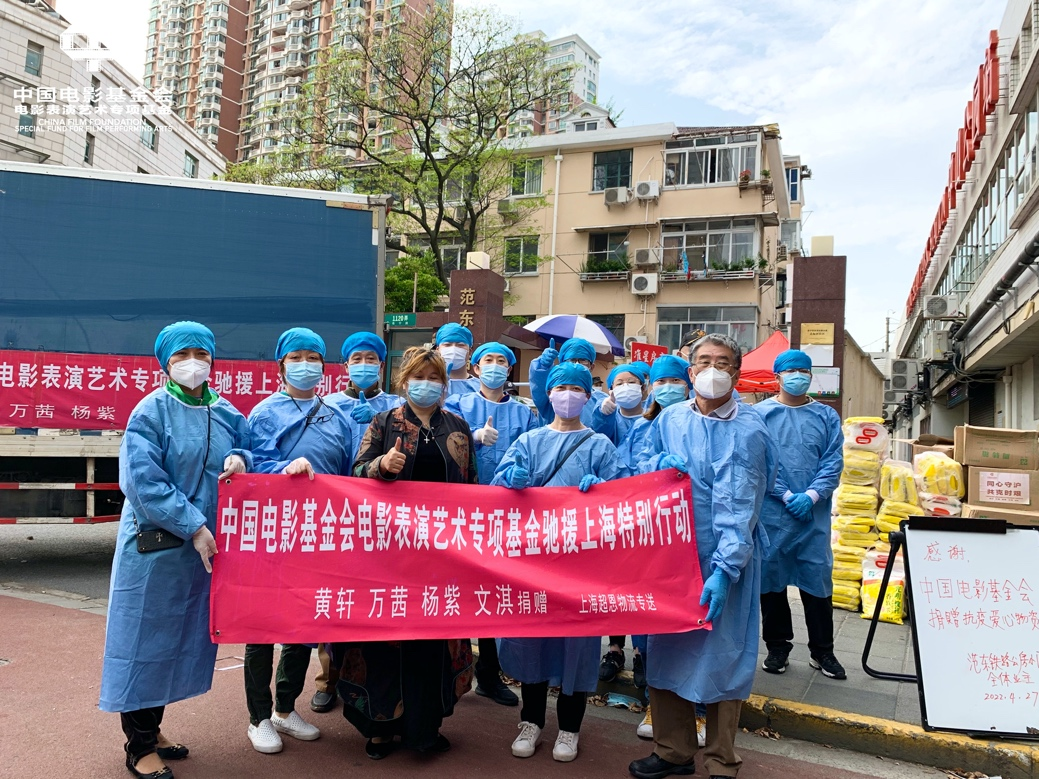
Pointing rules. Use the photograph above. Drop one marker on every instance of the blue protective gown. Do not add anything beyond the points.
(615, 426)
(511, 419)
(280, 433)
(732, 467)
(539, 394)
(384, 401)
(572, 663)
(632, 442)
(811, 457)
(157, 647)
(463, 386)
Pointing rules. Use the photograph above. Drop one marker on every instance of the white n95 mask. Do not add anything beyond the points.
(190, 373)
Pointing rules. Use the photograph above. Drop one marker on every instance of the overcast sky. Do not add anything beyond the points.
(870, 94)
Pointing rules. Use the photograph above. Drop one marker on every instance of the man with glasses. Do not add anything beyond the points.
(796, 516)
(726, 450)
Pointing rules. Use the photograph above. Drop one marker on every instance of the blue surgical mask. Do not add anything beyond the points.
(493, 376)
(304, 375)
(669, 394)
(424, 393)
(363, 375)
(796, 384)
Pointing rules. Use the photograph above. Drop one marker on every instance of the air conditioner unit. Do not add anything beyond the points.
(647, 190)
(941, 307)
(904, 373)
(644, 283)
(936, 346)
(894, 397)
(647, 256)
(507, 208)
(616, 196)
(628, 342)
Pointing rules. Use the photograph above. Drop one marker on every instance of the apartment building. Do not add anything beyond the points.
(968, 351)
(562, 113)
(653, 230)
(55, 110)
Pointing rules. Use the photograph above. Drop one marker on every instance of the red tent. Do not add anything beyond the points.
(756, 374)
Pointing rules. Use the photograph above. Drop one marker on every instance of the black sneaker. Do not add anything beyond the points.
(638, 671)
(776, 662)
(829, 665)
(612, 664)
(497, 691)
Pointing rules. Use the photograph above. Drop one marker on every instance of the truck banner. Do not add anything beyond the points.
(98, 391)
(345, 559)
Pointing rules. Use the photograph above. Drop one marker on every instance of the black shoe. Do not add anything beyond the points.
(165, 773)
(829, 665)
(612, 664)
(776, 662)
(638, 671)
(175, 752)
(440, 744)
(498, 692)
(377, 751)
(656, 767)
(323, 702)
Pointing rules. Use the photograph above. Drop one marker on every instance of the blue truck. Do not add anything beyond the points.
(96, 263)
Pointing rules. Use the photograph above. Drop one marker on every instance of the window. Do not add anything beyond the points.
(612, 322)
(790, 234)
(149, 135)
(738, 322)
(716, 160)
(34, 59)
(611, 169)
(521, 255)
(88, 151)
(190, 166)
(526, 178)
(26, 126)
(793, 183)
(716, 244)
(453, 258)
(580, 127)
(607, 252)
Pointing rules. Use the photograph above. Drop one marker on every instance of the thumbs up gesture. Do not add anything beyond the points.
(549, 356)
(393, 461)
(486, 435)
(362, 412)
(609, 405)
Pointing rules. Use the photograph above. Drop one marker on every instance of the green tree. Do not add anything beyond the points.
(413, 280)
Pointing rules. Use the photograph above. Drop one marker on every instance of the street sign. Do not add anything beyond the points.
(399, 320)
(646, 353)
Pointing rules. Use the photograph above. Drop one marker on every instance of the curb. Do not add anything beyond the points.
(891, 739)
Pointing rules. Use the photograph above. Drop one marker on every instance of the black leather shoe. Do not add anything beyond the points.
(323, 702)
(175, 752)
(611, 665)
(638, 671)
(378, 750)
(165, 773)
(656, 767)
(440, 744)
(498, 692)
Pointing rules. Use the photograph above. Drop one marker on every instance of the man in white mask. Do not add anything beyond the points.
(454, 342)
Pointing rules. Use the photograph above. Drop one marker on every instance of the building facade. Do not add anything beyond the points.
(55, 110)
(558, 116)
(968, 351)
(652, 231)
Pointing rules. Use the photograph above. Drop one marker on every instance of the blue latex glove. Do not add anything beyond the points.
(675, 461)
(800, 505)
(517, 477)
(549, 356)
(587, 481)
(715, 593)
(362, 411)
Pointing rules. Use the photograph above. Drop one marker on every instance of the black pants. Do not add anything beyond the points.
(777, 628)
(292, 676)
(569, 708)
(142, 730)
(488, 669)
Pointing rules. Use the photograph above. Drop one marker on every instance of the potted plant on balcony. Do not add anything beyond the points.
(609, 266)
(744, 181)
(766, 182)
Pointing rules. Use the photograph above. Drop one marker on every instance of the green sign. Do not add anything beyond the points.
(399, 320)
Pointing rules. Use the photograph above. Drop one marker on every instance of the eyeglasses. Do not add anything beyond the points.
(705, 362)
(579, 361)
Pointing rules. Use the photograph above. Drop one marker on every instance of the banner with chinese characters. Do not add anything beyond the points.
(344, 559)
(98, 391)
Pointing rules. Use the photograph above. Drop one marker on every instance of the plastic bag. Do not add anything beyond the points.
(848, 554)
(860, 467)
(853, 524)
(846, 595)
(853, 500)
(939, 474)
(940, 505)
(897, 482)
(843, 571)
(866, 433)
(897, 508)
(893, 608)
(864, 540)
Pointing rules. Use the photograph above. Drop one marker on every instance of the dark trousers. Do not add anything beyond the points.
(142, 730)
(488, 669)
(569, 708)
(259, 667)
(777, 628)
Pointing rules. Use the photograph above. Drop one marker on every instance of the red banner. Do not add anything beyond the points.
(343, 559)
(646, 353)
(98, 391)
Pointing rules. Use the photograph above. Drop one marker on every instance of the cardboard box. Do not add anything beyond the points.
(1030, 518)
(997, 448)
(946, 449)
(1003, 488)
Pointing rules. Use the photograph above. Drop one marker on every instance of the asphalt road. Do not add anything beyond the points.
(62, 558)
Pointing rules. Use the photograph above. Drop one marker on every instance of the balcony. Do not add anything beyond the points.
(297, 5)
(709, 275)
(210, 121)
(210, 91)
(605, 266)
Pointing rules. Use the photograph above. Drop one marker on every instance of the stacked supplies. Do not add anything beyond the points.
(941, 483)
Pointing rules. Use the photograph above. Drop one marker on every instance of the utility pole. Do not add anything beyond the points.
(887, 335)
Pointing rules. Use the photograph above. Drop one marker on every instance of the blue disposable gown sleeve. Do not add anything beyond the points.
(606, 423)
(608, 463)
(517, 455)
(831, 464)
(651, 451)
(538, 378)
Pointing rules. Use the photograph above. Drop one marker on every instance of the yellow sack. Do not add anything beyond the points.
(897, 508)
(897, 482)
(861, 467)
(847, 571)
(845, 590)
(939, 474)
(865, 540)
(891, 608)
(847, 604)
(848, 554)
(887, 524)
(853, 524)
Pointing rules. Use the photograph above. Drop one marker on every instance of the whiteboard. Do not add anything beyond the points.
(975, 611)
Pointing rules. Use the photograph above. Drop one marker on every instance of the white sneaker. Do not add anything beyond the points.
(265, 738)
(527, 741)
(701, 731)
(645, 728)
(565, 749)
(295, 726)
